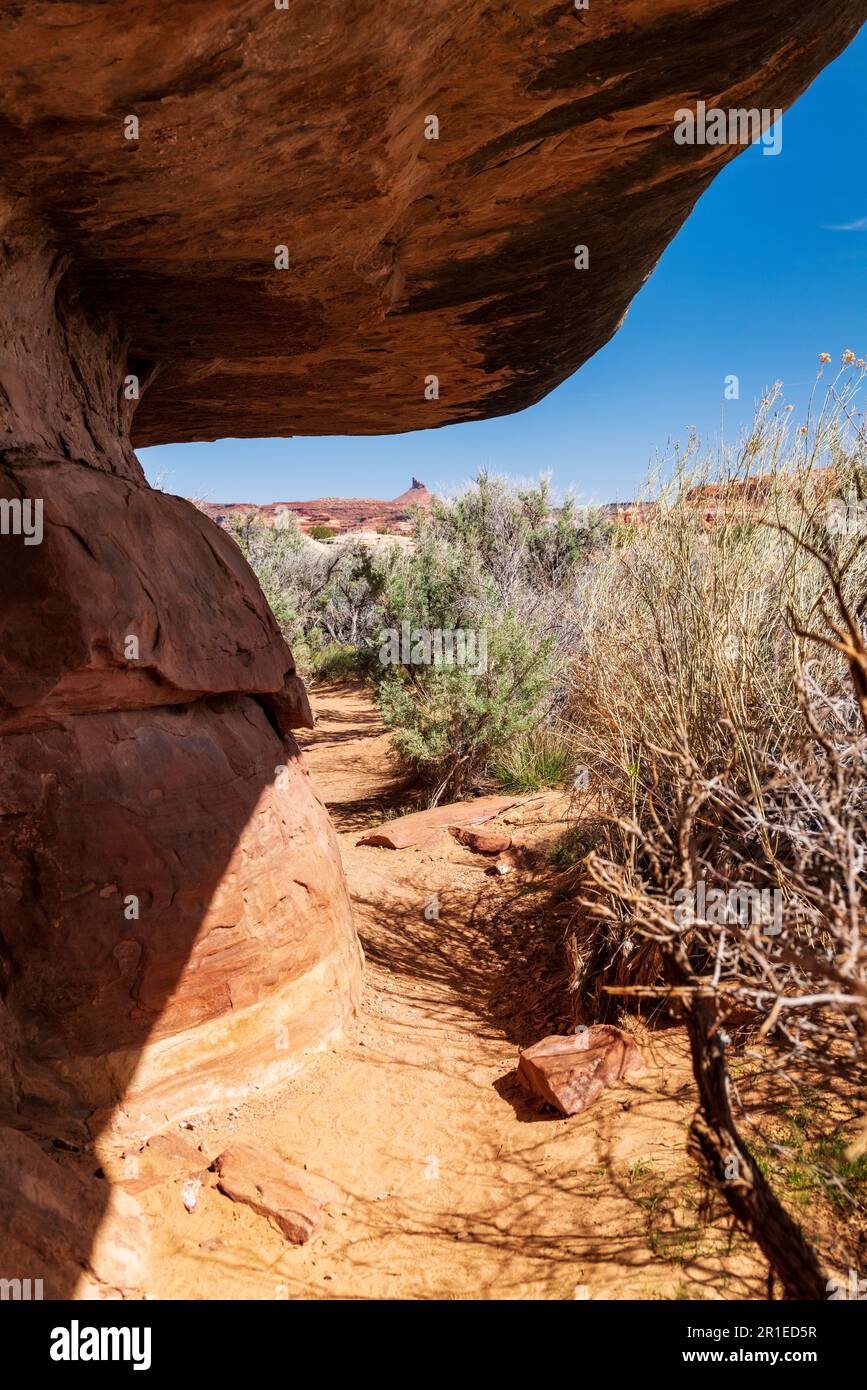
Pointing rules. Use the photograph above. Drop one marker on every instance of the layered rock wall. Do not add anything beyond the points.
(302, 213)
(174, 924)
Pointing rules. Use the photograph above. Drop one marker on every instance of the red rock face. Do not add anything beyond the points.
(405, 257)
(175, 922)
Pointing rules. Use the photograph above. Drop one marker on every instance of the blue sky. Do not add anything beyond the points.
(757, 283)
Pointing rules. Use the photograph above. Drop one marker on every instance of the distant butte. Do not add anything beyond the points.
(343, 514)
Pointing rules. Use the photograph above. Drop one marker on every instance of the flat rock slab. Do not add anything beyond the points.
(481, 841)
(571, 1071)
(287, 1196)
(422, 827)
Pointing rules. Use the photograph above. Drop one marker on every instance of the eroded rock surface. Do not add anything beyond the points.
(305, 128)
(201, 820)
(174, 922)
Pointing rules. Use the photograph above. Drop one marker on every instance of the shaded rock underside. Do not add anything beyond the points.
(406, 257)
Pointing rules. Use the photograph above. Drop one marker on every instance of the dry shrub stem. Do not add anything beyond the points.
(720, 698)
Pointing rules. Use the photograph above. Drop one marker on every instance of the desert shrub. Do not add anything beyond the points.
(496, 565)
(579, 839)
(336, 662)
(321, 600)
(448, 722)
(273, 553)
(498, 562)
(720, 704)
(687, 660)
(321, 533)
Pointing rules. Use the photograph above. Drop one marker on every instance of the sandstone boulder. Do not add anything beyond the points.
(275, 1189)
(132, 599)
(481, 841)
(176, 926)
(64, 1228)
(170, 878)
(570, 1071)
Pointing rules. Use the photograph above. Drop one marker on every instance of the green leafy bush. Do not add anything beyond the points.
(498, 564)
(449, 722)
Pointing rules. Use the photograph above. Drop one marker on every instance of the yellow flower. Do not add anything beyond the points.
(848, 355)
(824, 357)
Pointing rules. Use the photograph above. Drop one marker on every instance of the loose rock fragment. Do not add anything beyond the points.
(164, 1158)
(570, 1071)
(482, 841)
(263, 1181)
(423, 827)
(190, 1194)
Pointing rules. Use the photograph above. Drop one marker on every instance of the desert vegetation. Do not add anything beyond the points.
(719, 697)
(700, 679)
(496, 567)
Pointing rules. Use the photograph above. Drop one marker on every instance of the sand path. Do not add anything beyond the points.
(452, 1185)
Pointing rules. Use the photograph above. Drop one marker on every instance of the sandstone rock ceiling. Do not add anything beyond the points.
(407, 257)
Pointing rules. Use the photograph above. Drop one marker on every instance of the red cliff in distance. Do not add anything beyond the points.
(343, 515)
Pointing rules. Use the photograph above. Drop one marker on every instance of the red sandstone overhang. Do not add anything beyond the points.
(407, 257)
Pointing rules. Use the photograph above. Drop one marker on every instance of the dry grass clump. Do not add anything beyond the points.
(720, 698)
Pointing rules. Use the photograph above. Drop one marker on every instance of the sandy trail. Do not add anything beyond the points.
(453, 1186)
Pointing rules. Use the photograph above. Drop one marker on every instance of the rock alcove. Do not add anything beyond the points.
(174, 924)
